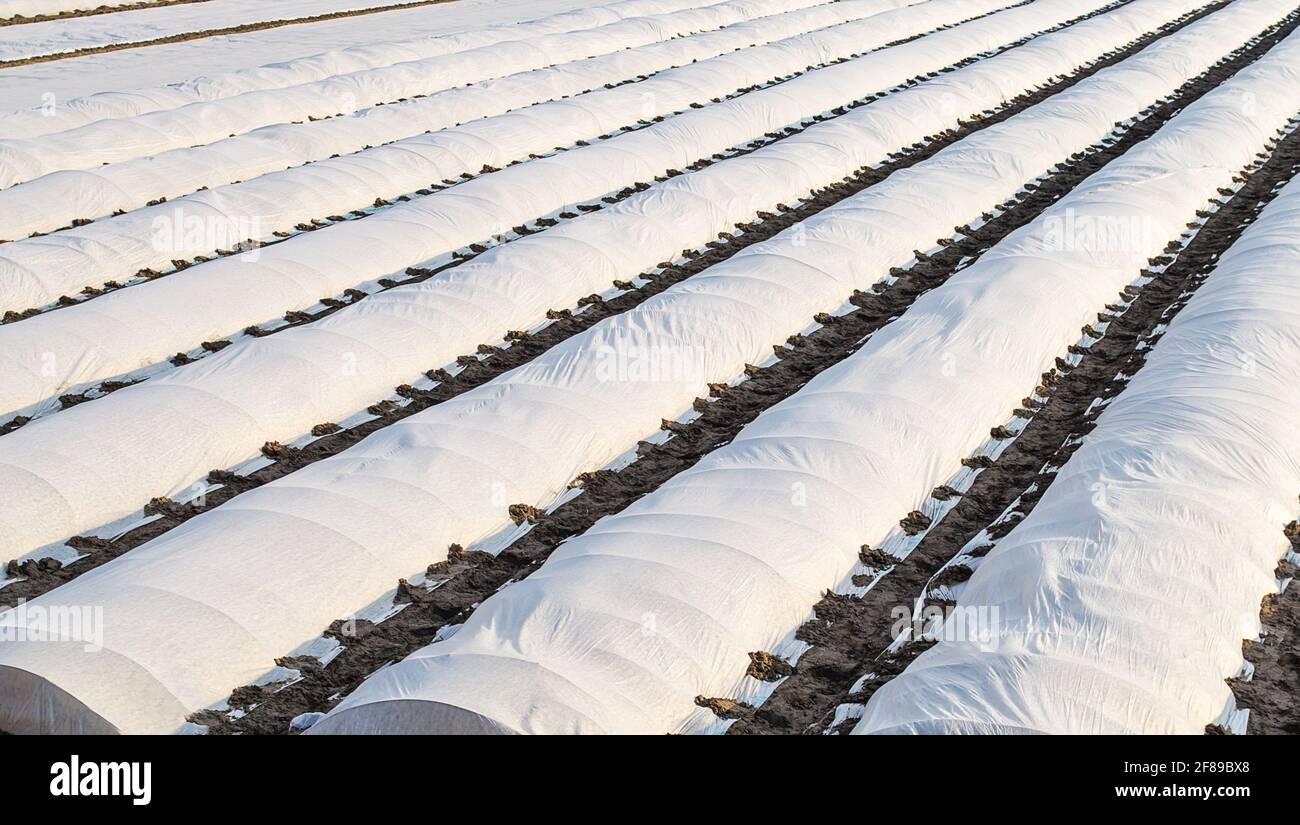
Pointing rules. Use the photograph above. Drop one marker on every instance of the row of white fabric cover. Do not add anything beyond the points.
(34, 8)
(120, 139)
(56, 200)
(151, 67)
(132, 28)
(37, 271)
(239, 590)
(29, 89)
(133, 329)
(83, 110)
(352, 358)
(1123, 598)
(623, 626)
(349, 360)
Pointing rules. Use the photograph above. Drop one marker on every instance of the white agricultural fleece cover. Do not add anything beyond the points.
(26, 89)
(135, 26)
(237, 590)
(34, 8)
(38, 270)
(361, 353)
(628, 50)
(136, 328)
(1122, 600)
(357, 355)
(623, 626)
(149, 78)
(121, 139)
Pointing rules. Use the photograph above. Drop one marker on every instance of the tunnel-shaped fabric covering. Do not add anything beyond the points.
(373, 47)
(1123, 598)
(388, 506)
(552, 67)
(114, 140)
(35, 8)
(36, 271)
(76, 492)
(391, 504)
(136, 27)
(664, 601)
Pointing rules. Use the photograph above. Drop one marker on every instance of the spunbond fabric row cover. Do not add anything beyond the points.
(372, 51)
(119, 139)
(137, 27)
(1123, 598)
(58, 199)
(391, 338)
(665, 600)
(238, 593)
(35, 8)
(37, 271)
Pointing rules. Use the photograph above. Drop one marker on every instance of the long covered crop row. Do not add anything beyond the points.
(58, 199)
(1123, 598)
(448, 474)
(120, 139)
(664, 366)
(18, 10)
(53, 39)
(39, 270)
(80, 111)
(855, 646)
(784, 508)
(136, 328)
(450, 591)
(393, 337)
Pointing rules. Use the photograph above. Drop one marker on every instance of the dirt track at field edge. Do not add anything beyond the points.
(1273, 692)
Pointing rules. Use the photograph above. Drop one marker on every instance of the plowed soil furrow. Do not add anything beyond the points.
(471, 577)
(412, 275)
(852, 637)
(242, 28)
(1273, 691)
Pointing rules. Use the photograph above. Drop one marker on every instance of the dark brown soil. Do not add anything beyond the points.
(851, 636)
(1273, 692)
(242, 28)
(607, 492)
